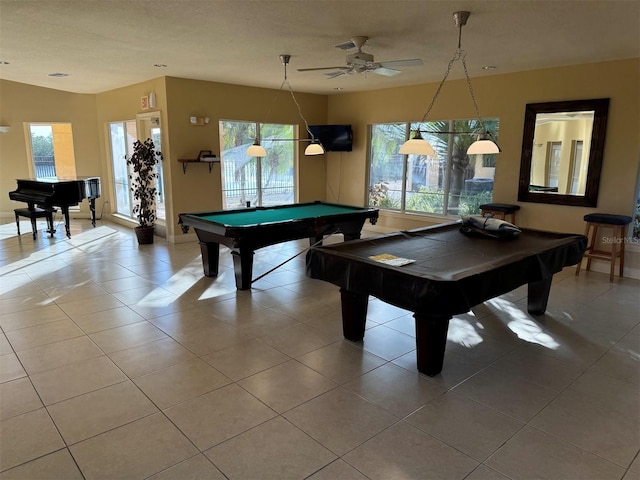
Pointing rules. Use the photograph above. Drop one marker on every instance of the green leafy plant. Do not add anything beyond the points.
(143, 181)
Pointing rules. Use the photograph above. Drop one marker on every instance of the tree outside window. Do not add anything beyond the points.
(261, 181)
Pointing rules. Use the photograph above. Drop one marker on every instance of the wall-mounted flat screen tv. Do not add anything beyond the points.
(334, 138)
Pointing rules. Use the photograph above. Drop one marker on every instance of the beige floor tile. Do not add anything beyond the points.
(151, 357)
(395, 389)
(10, 368)
(59, 354)
(44, 334)
(538, 367)
(287, 385)
(387, 343)
(27, 437)
(84, 306)
(136, 450)
(5, 346)
(297, 339)
(340, 420)
(338, 470)
(473, 429)
(485, 473)
(403, 451)
(55, 466)
(127, 336)
(65, 294)
(341, 361)
(245, 359)
(122, 284)
(535, 454)
(185, 321)
(20, 285)
(509, 394)
(144, 294)
(219, 415)
(17, 397)
(274, 450)
(216, 336)
(106, 319)
(30, 318)
(195, 468)
(610, 434)
(76, 379)
(606, 391)
(96, 412)
(24, 302)
(263, 323)
(181, 382)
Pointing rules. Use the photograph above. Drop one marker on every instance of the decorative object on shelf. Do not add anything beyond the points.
(199, 120)
(143, 187)
(418, 145)
(314, 148)
(205, 156)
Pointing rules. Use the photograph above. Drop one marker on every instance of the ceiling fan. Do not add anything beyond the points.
(360, 61)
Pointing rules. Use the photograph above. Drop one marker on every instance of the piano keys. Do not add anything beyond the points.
(62, 192)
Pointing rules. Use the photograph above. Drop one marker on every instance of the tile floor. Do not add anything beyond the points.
(119, 361)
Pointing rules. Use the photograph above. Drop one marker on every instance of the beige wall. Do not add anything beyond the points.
(505, 97)
(337, 177)
(20, 104)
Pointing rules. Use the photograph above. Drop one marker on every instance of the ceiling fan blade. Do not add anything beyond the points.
(336, 74)
(323, 68)
(387, 72)
(412, 62)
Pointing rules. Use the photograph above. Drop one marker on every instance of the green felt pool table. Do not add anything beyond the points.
(248, 229)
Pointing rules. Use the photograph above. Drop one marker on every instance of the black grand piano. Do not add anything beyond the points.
(62, 192)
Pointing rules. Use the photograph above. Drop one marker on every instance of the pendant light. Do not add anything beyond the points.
(418, 145)
(314, 147)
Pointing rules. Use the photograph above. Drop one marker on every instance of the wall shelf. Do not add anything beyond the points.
(187, 161)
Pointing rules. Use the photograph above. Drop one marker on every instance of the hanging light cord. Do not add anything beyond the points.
(461, 55)
(306, 125)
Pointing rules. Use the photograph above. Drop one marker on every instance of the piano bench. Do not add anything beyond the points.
(33, 214)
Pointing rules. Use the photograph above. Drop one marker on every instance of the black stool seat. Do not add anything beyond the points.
(608, 218)
(500, 210)
(34, 213)
(500, 207)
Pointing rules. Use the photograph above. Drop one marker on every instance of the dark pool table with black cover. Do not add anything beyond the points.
(245, 230)
(451, 274)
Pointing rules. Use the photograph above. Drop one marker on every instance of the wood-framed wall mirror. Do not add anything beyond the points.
(562, 149)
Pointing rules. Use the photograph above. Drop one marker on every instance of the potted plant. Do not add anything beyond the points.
(143, 186)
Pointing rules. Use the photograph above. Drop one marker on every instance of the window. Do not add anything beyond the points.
(552, 170)
(261, 181)
(122, 136)
(52, 150)
(451, 183)
(576, 168)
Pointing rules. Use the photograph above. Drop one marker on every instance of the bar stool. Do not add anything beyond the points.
(500, 210)
(33, 213)
(617, 223)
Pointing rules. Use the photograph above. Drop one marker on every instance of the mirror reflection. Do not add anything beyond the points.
(559, 159)
(562, 151)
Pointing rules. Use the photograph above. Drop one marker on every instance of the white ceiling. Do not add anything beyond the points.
(106, 44)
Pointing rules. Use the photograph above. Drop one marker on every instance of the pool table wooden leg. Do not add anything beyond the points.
(354, 314)
(431, 341)
(538, 296)
(243, 267)
(210, 255)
